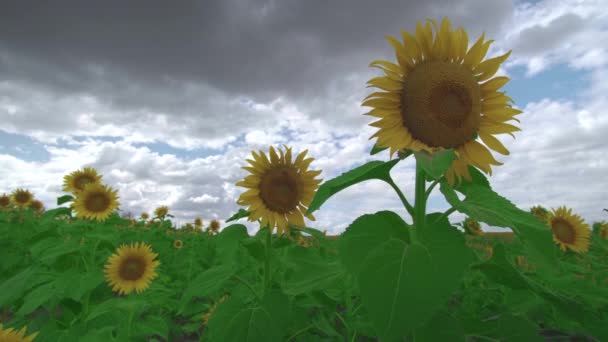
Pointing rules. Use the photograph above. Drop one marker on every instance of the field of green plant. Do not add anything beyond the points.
(83, 273)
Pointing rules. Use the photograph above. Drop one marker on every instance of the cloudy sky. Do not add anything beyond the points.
(168, 102)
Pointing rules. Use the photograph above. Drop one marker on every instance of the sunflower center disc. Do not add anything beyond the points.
(563, 231)
(82, 181)
(440, 104)
(97, 202)
(279, 190)
(131, 270)
(21, 198)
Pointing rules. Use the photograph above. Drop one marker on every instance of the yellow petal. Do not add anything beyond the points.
(498, 99)
(295, 217)
(401, 53)
(273, 156)
(385, 83)
(494, 128)
(474, 53)
(412, 47)
(489, 67)
(493, 143)
(301, 157)
(464, 44)
(382, 64)
(494, 84)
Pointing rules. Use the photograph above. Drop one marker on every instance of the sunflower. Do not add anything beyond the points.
(131, 268)
(22, 198)
(214, 226)
(198, 222)
(10, 335)
(144, 216)
(540, 212)
(208, 314)
(569, 230)
(76, 181)
(279, 191)
(178, 244)
(5, 201)
(37, 205)
(471, 226)
(95, 201)
(603, 230)
(161, 211)
(434, 98)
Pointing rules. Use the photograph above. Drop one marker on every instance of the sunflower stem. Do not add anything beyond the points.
(407, 204)
(267, 261)
(428, 191)
(420, 202)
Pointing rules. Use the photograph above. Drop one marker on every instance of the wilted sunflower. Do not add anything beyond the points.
(540, 212)
(22, 198)
(76, 181)
(96, 201)
(435, 100)
(214, 226)
(161, 211)
(279, 191)
(178, 244)
(471, 226)
(10, 335)
(131, 268)
(569, 230)
(5, 201)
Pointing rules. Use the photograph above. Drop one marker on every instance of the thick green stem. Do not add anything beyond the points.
(267, 263)
(407, 205)
(420, 201)
(428, 191)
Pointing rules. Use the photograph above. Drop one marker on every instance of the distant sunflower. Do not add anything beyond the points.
(178, 244)
(161, 211)
(22, 198)
(37, 205)
(569, 230)
(96, 201)
(603, 230)
(5, 201)
(435, 100)
(131, 268)
(144, 216)
(10, 335)
(472, 226)
(279, 191)
(198, 222)
(76, 181)
(214, 226)
(540, 212)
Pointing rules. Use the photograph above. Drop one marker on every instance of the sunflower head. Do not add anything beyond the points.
(5, 201)
(11, 335)
(144, 216)
(198, 222)
(178, 244)
(37, 205)
(96, 201)
(602, 229)
(279, 189)
(569, 230)
(77, 180)
(540, 212)
(472, 226)
(161, 211)
(131, 268)
(214, 225)
(22, 198)
(440, 96)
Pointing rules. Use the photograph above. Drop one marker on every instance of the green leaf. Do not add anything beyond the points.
(477, 178)
(372, 170)
(499, 270)
(228, 241)
(239, 215)
(14, 287)
(36, 298)
(64, 199)
(75, 284)
(47, 251)
(403, 286)
(483, 204)
(366, 233)
(442, 327)
(206, 284)
(377, 149)
(151, 325)
(309, 271)
(435, 164)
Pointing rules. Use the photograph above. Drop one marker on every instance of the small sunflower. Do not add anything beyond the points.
(144, 216)
(131, 268)
(198, 222)
(208, 314)
(279, 191)
(540, 212)
(37, 205)
(434, 98)
(10, 335)
(569, 230)
(76, 181)
(471, 226)
(95, 201)
(161, 211)
(603, 230)
(22, 198)
(214, 226)
(178, 244)
(5, 201)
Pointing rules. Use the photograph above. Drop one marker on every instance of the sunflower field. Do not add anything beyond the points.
(84, 273)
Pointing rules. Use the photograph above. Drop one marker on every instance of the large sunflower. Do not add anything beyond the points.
(96, 201)
(569, 230)
(11, 335)
(76, 181)
(279, 190)
(22, 198)
(131, 268)
(434, 98)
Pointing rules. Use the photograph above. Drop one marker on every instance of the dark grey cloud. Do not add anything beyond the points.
(538, 39)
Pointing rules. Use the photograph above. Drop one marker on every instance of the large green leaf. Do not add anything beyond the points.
(404, 285)
(366, 233)
(206, 284)
(376, 149)
(435, 164)
(499, 270)
(308, 271)
(372, 170)
(483, 204)
(442, 327)
(240, 214)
